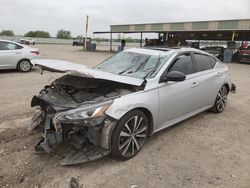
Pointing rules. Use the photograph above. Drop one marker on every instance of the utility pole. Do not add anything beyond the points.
(86, 33)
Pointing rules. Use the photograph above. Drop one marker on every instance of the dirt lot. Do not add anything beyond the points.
(208, 150)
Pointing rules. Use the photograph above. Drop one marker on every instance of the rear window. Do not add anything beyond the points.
(247, 48)
(18, 47)
(212, 61)
(202, 62)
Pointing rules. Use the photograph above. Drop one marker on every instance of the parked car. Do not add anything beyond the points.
(16, 56)
(244, 55)
(77, 42)
(114, 107)
(217, 51)
(27, 41)
(80, 42)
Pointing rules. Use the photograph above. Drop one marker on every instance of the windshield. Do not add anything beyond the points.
(133, 64)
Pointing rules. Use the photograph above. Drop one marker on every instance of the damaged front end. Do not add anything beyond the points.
(72, 111)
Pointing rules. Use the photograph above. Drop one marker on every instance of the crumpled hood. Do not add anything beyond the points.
(84, 71)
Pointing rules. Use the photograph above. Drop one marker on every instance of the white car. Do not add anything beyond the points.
(28, 41)
(16, 56)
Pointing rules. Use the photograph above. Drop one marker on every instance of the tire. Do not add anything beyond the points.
(221, 100)
(24, 65)
(128, 139)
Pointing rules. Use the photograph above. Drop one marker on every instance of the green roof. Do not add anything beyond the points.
(217, 25)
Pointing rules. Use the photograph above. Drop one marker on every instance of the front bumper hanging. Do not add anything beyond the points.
(85, 155)
(53, 135)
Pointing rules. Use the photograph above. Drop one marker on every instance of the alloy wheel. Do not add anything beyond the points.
(132, 136)
(221, 99)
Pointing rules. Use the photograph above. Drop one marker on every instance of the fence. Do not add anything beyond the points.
(39, 40)
(99, 45)
(105, 45)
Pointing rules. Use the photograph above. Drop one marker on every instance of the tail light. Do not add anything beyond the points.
(35, 52)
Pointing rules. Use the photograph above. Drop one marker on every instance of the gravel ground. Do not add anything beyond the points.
(208, 150)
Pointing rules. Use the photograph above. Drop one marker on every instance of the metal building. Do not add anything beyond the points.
(226, 30)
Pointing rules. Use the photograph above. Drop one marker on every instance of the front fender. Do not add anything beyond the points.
(144, 99)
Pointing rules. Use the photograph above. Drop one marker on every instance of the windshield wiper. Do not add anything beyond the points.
(133, 67)
(125, 70)
(154, 69)
(142, 64)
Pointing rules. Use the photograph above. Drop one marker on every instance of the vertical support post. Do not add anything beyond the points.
(110, 42)
(141, 41)
(86, 33)
(233, 36)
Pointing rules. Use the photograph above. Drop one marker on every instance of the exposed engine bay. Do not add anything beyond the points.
(72, 111)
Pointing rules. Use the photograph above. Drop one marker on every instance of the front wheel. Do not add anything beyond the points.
(221, 100)
(129, 135)
(24, 65)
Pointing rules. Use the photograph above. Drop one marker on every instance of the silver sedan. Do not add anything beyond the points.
(114, 107)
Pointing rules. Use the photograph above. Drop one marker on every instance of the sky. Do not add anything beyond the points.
(22, 16)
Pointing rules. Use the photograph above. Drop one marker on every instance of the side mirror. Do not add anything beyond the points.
(174, 76)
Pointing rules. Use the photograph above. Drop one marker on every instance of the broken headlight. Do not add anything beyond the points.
(98, 112)
(84, 112)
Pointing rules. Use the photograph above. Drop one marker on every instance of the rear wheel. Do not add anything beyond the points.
(129, 135)
(221, 100)
(24, 65)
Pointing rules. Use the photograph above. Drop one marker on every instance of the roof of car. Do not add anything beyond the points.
(5, 40)
(164, 50)
(145, 51)
(10, 41)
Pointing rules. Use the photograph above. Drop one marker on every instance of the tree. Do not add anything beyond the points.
(79, 37)
(97, 39)
(7, 33)
(129, 39)
(41, 34)
(63, 34)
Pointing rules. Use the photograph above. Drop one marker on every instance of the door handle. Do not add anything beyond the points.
(194, 84)
(18, 53)
(219, 74)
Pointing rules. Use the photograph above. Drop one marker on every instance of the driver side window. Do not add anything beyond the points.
(183, 64)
